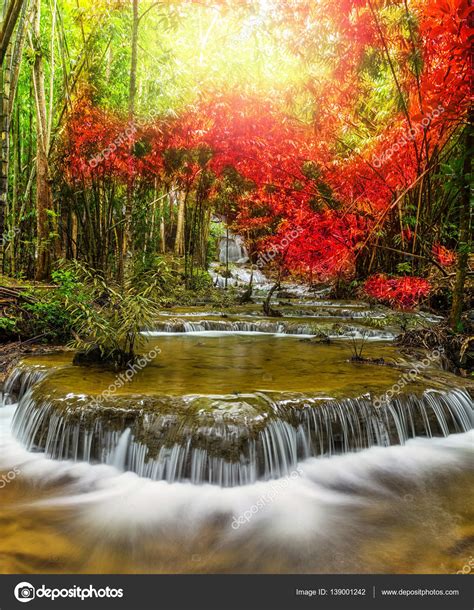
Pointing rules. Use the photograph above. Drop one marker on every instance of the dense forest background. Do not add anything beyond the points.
(336, 134)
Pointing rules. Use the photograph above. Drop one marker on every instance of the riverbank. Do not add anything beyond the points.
(11, 353)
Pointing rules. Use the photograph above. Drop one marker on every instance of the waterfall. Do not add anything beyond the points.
(21, 380)
(263, 326)
(239, 276)
(164, 447)
(118, 457)
(232, 249)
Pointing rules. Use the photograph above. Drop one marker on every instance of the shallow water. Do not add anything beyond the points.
(395, 509)
(388, 509)
(226, 363)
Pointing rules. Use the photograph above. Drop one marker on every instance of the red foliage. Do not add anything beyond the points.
(98, 144)
(401, 292)
(299, 180)
(445, 257)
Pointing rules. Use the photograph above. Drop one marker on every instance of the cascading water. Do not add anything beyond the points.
(266, 444)
(370, 511)
(232, 249)
(247, 446)
(235, 409)
(20, 381)
(239, 276)
(287, 328)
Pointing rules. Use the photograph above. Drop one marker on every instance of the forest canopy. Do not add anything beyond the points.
(136, 123)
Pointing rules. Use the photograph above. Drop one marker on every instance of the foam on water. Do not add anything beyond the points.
(211, 328)
(291, 508)
(234, 453)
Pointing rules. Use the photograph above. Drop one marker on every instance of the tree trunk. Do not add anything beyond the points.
(44, 198)
(267, 307)
(162, 236)
(464, 229)
(74, 234)
(5, 76)
(246, 297)
(15, 221)
(10, 16)
(203, 238)
(133, 68)
(126, 233)
(179, 241)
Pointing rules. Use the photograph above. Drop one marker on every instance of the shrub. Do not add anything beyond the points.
(110, 321)
(443, 255)
(44, 311)
(399, 292)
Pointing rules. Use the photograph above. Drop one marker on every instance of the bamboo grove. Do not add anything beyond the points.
(130, 127)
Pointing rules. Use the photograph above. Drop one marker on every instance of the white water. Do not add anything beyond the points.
(240, 276)
(301, 506)
(199, 453)
(384, 509)
(232, 249)
(118, 457)
(204, 328)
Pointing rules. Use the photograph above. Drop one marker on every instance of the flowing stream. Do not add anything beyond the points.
(243, 444)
